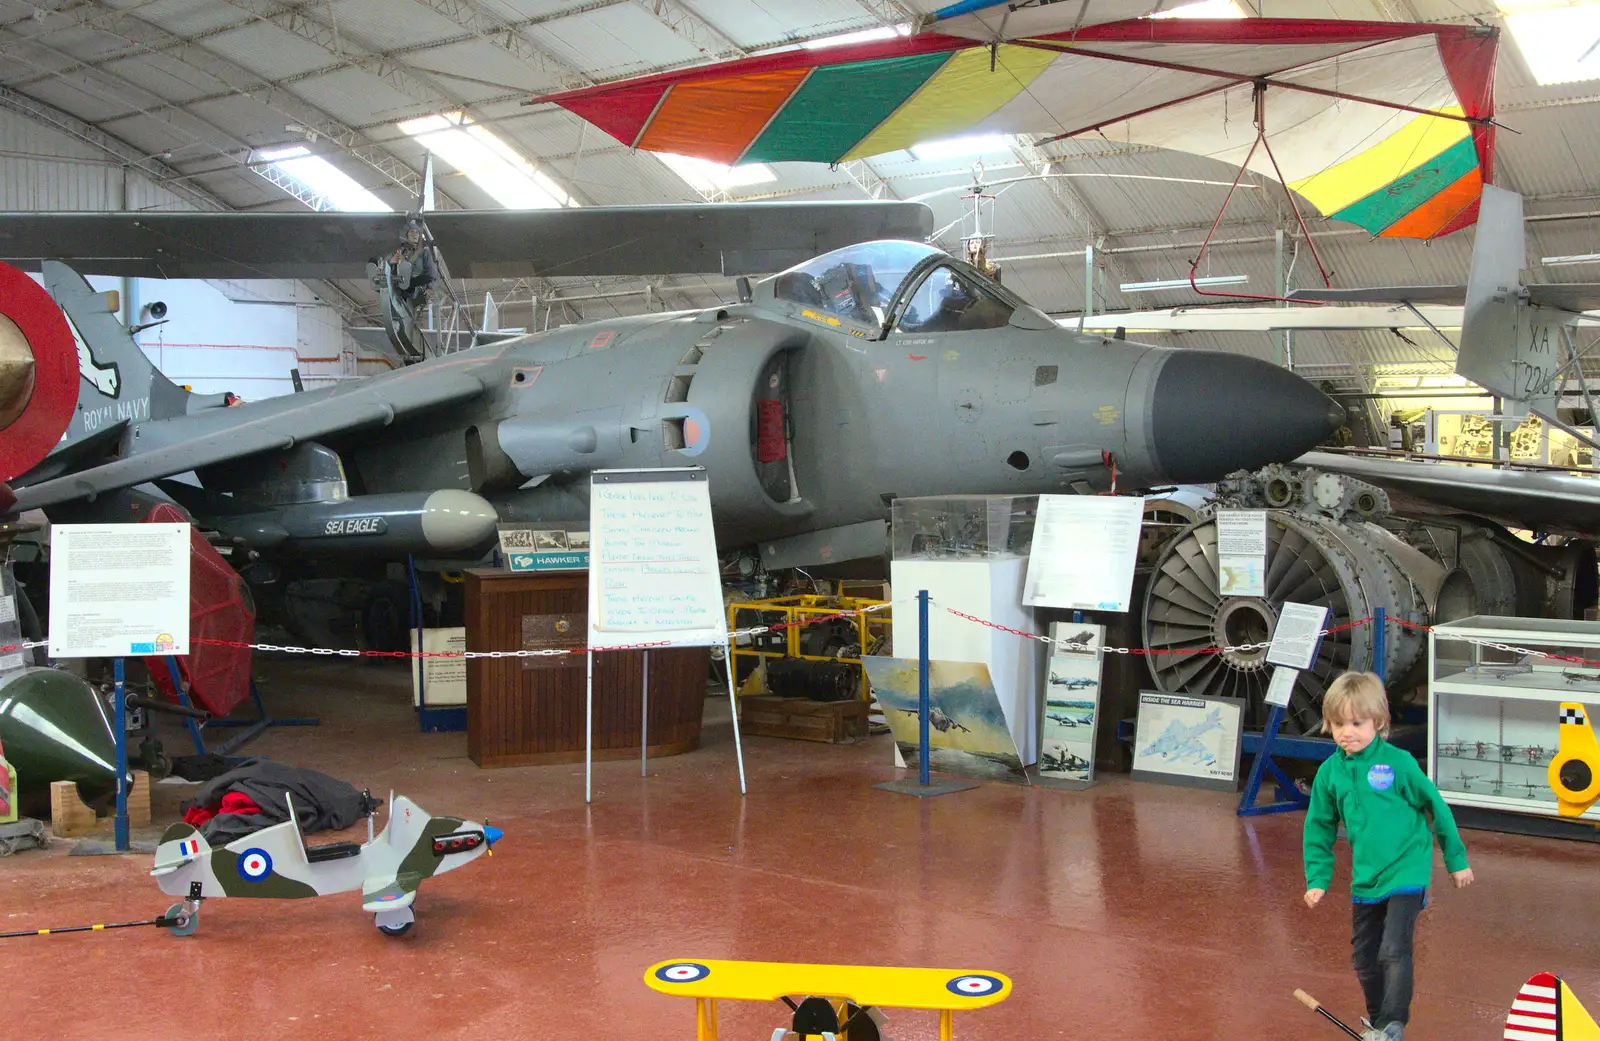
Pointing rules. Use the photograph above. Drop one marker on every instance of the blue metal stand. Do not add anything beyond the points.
(255, 726)
(923, 787)
(1289, 796)
(120, 723)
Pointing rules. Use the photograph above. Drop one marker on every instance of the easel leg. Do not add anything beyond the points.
(733, 704)
(947, 1025)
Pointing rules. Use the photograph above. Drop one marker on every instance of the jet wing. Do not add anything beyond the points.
(218, 435)
(1384, 295)
(714, 238)
(1570, 296)
(387, 892)
(1548, 501)
(1267, 319)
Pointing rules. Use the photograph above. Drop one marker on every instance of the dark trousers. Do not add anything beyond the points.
(1381, 952)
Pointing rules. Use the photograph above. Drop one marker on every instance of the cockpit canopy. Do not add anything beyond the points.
(911, 285)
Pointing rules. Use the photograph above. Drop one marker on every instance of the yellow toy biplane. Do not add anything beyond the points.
(841, 1001)
(1575, 770)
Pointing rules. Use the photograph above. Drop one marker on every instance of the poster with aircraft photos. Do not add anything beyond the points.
(1071, 701)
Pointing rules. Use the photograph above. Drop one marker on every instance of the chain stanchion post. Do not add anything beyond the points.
(1380, 644)
(923, 787)
(922, 687)
(120, 708)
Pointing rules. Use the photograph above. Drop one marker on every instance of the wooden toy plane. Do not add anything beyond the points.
(275, 862)
(1547, 1010)
(857, 988)
(1575, 769)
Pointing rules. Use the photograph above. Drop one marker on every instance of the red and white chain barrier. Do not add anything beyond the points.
(549, 652)
(1414, 626)
(758, 630)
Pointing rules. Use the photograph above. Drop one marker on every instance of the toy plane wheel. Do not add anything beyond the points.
(188, 921)
(394, 922)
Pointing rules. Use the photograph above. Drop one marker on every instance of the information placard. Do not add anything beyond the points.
(653, 573)
(118, 590)
(1084, 550)
(1281, 686)
(443, 681)
(1242, 552)
(1297, 636)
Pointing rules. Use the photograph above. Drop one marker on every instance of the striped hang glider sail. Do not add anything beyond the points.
(1386, 125)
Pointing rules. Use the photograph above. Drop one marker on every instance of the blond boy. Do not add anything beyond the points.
(1383, 798)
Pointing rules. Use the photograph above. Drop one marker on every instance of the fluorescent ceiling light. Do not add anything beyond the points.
(705, 177)
(1203, 9)
(1558, 41)
(883, 32)
(1182, 283)
(1576, 258)
(956, 147)
(488, 162)
(325, 179)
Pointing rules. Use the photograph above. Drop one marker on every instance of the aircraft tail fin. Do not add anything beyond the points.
(178, 855)
(1545, 1009)
(118, 384)
(1494, 326)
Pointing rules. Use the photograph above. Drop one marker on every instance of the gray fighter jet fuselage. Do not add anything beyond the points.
(880, 371)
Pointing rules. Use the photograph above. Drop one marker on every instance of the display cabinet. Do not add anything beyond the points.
(1495, 690)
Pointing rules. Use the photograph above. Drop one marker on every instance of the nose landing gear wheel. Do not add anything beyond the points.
(188, 920)
(395, 922)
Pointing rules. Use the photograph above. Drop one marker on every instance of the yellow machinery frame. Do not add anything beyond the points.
(802, 608)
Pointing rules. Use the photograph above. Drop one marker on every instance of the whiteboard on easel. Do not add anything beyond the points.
(653, 573)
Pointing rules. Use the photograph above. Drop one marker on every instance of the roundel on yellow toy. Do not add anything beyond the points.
(38, 373)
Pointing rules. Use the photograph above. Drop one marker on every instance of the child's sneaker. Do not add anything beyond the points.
(1394, 1032)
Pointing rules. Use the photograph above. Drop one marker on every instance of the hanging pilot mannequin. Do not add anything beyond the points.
(413, 267)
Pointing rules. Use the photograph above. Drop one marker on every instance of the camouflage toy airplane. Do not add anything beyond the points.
(276, 863)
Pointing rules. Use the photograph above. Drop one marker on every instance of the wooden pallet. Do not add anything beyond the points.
(833, 722)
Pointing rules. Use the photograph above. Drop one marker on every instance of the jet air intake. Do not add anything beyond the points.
(444, 521)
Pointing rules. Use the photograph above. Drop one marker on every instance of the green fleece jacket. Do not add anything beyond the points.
(1382, 796)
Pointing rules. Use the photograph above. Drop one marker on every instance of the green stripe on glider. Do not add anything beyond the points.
(839, 105)
(1388, 204)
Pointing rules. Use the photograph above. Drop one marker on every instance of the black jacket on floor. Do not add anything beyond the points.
(321, 803)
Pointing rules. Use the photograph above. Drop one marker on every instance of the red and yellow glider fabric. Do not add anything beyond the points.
(1386, 125)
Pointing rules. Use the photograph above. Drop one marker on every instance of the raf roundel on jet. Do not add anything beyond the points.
(275, 863)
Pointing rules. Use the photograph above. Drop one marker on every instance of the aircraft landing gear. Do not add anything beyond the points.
(185, 916)
(395, 922)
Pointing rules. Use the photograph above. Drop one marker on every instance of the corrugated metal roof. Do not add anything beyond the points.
(615, 41)
(382, 26)
(754, 24)
(269, 51)
(358, 98)
(187, 17)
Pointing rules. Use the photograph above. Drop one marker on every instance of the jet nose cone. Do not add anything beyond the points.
(1214, 413)
(491, 834)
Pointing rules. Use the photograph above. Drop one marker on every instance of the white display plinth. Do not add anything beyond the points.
(990, 589)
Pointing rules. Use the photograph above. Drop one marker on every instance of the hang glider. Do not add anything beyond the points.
(709, 238)
(1387, 125)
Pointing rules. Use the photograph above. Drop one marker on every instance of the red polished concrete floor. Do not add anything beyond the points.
(1128, 911)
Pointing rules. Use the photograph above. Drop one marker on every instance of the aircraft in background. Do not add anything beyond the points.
(882, 370)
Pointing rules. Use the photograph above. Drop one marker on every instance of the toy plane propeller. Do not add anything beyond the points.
(276, 863)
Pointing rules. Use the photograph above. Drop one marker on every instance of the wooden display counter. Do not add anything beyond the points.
(529, 711)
